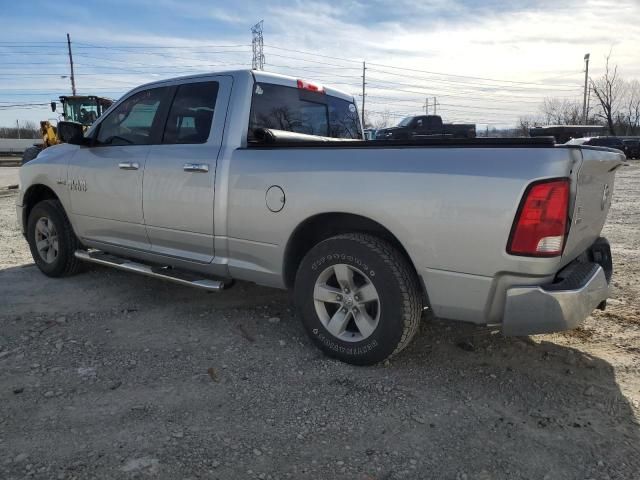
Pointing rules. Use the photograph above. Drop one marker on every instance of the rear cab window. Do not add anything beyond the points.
(297, 110)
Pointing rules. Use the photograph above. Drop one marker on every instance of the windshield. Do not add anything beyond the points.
(301, 111)
(81, 110)
(405, 121)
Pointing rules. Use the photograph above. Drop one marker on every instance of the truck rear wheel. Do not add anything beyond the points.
(51, 239)
(359, 298)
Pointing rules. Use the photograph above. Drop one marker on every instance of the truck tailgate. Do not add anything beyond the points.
(593, 192)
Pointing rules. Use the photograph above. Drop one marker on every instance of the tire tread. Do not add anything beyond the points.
(400, 272)
(72, 264)
(406, 278)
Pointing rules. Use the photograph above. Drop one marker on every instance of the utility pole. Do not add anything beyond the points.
(364, 94)
(586, 81)
(426, 106)
(18, 125)
(73, 78)
(588, 105)
(435, 106)
(257, 44)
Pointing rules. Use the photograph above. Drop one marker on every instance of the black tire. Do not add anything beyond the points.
(396, 284)
(30, 153)
(64, 262)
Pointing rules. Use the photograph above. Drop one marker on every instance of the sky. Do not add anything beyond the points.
(485, 61)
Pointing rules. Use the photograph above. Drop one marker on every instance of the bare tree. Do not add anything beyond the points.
(27, 130)
(630, 111)
(525, 123)
(608, 90)
(557, 111)
(383, 120)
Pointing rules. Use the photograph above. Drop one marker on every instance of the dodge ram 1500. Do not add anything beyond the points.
(260, 177)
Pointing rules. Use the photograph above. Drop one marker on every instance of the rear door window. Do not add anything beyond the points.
(191, 113)
(301, 111)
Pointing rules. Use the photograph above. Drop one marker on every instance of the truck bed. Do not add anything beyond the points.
(269, 138)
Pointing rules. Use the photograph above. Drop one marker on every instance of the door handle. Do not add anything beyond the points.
(196, 167)
(129, 165)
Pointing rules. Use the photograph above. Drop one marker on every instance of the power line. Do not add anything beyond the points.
(469, 86)
(464, 107)
(411, 69)
(181, 47)
(510, 95)
(38, 42)
(514, 87)
(187, 47)
(426, 92)
(22, 105)
(289, 57)
(467, 98)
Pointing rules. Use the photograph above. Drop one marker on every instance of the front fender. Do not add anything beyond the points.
(49, 168)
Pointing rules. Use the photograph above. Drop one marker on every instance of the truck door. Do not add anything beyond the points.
(179, 177)
(105, 179)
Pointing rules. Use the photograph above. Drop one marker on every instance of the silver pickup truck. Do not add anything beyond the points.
(265, 178)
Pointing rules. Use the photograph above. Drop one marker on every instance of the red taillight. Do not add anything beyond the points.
(310, 86)
(540, 225)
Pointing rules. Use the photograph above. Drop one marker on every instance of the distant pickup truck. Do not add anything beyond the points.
(259, 177)
(425, 126)
(630, 147)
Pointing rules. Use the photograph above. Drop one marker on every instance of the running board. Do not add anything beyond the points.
(165, 273)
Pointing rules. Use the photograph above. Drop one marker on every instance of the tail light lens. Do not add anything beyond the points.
(541, 223)
(312, 87)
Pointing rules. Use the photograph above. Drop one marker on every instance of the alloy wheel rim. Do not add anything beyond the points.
(347, 303)
(47, 243)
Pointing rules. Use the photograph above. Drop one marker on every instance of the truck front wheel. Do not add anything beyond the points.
(51, 239)
(359, 298)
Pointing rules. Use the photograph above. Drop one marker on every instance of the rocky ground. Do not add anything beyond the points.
(112, 375)
(8, 175)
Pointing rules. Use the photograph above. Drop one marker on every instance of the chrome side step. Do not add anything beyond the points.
(165, 273)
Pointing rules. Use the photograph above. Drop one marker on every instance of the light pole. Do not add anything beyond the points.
(586, 81)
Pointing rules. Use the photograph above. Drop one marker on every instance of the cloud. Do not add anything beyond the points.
(521, 41)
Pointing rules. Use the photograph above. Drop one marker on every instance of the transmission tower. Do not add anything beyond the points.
(257, 43)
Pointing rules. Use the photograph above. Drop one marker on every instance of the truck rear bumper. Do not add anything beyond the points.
(556, 306)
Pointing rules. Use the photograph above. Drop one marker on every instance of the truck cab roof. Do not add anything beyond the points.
(259, 76)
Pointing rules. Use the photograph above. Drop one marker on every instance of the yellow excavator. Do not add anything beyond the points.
(82, 109)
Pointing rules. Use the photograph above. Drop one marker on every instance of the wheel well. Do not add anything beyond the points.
(320, 227)
(34, 195)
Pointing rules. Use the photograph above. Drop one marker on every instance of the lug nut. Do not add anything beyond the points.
(356, 298)
(339, 298)
(346, 290)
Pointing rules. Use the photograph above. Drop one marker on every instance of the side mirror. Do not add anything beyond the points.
(53, 106)
(72, 132)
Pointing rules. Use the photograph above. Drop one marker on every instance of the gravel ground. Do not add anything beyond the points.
(112, 375)
(8, 175)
